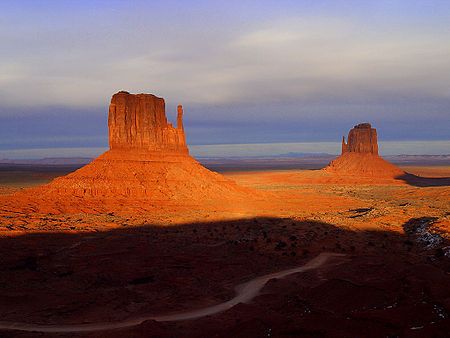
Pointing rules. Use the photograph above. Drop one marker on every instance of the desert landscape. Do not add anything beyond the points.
(224, 169)
(145, 241)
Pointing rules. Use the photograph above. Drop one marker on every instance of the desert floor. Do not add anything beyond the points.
(393, 280)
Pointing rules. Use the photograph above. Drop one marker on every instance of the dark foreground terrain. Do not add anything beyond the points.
(386, 285)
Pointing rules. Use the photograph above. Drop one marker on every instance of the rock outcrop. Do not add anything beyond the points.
(139, 122)
(362, 138)
(360, 157)
(148, 167)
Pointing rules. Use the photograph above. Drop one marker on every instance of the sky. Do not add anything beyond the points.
(245, 71)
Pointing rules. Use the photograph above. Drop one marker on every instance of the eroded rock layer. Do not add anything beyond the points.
(139, 122)
(362, 138)
(364, 165)
(117, 173)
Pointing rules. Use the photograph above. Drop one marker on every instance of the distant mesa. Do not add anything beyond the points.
(360, 157)
(361, 139)
(148, 166)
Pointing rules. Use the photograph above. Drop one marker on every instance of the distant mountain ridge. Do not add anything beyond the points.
(49, 161)
(292, 157)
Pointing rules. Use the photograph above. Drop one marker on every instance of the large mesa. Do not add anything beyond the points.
(148, 166)
(359, 157)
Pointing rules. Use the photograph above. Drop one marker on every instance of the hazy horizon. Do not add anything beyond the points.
(245, 150)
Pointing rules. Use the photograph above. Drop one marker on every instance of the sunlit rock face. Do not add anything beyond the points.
(148, 167)
(360, 157)
(138, 121)
(362, 138)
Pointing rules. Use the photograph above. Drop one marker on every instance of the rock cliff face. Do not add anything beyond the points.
(360, 158)
(362, 138)
(138, 121)
(147, 168)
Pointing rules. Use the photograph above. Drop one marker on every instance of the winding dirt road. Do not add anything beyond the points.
(244, 293)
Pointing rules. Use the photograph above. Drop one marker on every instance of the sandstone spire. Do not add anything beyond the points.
(180, 117)
(344, 146)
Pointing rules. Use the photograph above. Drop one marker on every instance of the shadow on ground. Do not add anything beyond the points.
(389, 284)
(418, 181)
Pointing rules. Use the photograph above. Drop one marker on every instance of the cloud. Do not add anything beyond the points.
(294, 59)
(244, 72)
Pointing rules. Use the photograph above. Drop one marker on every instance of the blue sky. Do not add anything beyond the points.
(245, 71)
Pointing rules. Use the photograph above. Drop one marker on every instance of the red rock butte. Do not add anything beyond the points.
(139, 122)
(361, 139)
(148, 166)
(360, 157)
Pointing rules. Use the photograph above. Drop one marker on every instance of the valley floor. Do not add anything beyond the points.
(392, 281)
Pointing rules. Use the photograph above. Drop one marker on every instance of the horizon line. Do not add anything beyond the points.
(387, 148)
